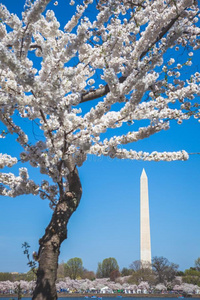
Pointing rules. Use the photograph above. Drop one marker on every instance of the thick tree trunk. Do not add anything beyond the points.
(55, 234)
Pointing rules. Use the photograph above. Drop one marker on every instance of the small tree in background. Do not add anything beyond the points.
(126, 272)
(192, 275)
(88, 275)
(197, 264)
(114, 275)
(107, 266)
(61, 270)
(18, 291)
(141, 273)
(73, 268)
(163, 269)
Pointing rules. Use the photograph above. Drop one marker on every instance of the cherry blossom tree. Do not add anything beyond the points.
(6, 286)
(117, 57)
(186, 288)
(9, 287)
(160, 287)
(144, 286)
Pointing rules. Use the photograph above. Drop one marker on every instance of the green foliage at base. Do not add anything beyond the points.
(192, 276)
(143, 274)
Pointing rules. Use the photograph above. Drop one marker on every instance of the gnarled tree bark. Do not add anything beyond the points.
(55, 234)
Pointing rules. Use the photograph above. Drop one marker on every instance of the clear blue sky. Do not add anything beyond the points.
(106, 224)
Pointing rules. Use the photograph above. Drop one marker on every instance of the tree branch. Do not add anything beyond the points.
(100, 92)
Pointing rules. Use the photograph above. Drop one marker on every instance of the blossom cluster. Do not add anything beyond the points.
(117, 57)
(7, 161)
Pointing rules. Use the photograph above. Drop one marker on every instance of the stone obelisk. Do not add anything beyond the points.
(145, 240)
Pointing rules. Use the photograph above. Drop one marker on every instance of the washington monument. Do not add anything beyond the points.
(145, 240)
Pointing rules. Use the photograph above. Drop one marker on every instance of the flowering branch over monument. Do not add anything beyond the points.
(48, 74)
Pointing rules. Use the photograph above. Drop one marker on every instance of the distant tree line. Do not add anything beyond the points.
(14, 276)
(160, 271)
